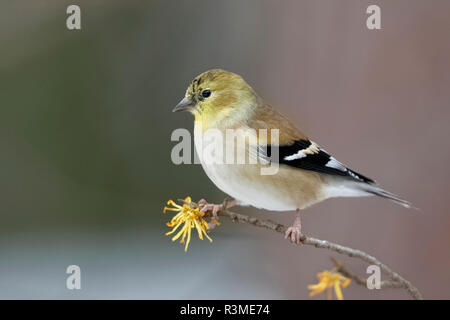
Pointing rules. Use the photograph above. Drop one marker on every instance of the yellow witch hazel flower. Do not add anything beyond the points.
(191, 217)
(327, 280)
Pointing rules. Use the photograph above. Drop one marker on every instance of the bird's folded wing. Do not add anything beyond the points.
(307, 155)
(294, 148)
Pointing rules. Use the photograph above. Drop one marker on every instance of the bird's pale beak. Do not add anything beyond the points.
(184, 105)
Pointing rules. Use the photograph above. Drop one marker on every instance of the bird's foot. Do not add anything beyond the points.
(215, 209)
(294, 233)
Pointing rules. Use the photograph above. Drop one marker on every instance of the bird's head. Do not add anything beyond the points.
(218, 96)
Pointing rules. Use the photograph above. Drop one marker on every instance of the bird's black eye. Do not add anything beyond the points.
(206, 93)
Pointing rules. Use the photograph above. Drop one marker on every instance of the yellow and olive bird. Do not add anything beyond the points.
(306, 174)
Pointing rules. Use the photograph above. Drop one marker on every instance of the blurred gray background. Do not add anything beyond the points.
(85, 125)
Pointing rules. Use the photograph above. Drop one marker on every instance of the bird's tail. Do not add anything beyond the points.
(361, 189)
(372, 189)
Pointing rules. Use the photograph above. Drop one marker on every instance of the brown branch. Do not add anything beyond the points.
(396, 281)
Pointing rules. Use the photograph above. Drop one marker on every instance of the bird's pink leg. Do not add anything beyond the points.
(294, 232)
(215, 208)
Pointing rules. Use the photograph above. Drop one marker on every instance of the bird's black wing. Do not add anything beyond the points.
(305, 154)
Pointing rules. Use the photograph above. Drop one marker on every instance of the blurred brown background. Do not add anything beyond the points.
(85, 124)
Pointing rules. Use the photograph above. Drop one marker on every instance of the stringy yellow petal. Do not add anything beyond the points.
(188, 239)
(199, 229)
(181, 232)
(346, 282)
(173, 230)
(337, 290)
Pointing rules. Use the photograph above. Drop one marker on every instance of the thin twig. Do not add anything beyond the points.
(397, 280)
(360, 280)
